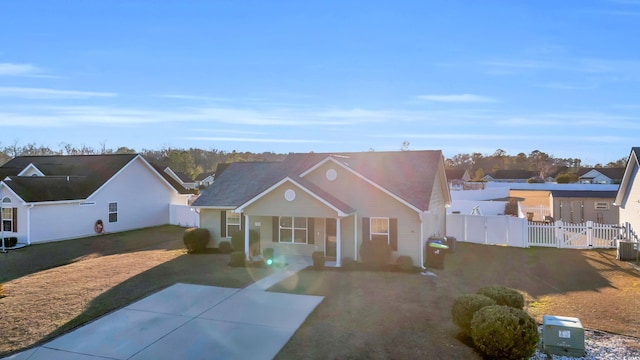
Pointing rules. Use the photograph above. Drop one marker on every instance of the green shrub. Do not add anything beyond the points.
(503, 296)
(224, 247)
(503, 332)
(348, 263)
(318, 259)
(375, 253)
(465, 306)
(237, 241)
(237, 259)
(405, 263)
(196, 240)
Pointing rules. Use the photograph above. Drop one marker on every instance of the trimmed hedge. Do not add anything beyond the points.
(503, 296)
(238, 259)
(196, 240)
(375, 253)
(237, 241)
(464, 308)
(405, 263)
(503, 332)
(224, 247)
(318, 259)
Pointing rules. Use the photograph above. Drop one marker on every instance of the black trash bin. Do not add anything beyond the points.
(434, 252)
(451, 243)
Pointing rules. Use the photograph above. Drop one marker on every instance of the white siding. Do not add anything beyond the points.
(630, 207)
(22, 214)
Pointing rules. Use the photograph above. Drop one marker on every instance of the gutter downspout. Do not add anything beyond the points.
(355, 236)
(247, 250)
(338, 243)
(420, 243)
(29, 224)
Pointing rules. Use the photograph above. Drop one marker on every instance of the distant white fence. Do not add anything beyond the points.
(518, 232)
(183, 215)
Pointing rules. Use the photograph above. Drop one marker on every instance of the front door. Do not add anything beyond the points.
(330, 241)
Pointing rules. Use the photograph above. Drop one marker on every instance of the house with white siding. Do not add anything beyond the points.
(628, 196)
(331, 202)
(48, 198)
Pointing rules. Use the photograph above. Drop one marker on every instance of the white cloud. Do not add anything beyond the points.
(43, 93)
(457, 98)
(10, 69)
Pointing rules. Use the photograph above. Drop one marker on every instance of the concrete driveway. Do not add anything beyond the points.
(186, 321)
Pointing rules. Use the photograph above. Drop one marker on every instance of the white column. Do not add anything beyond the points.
(338, 243)
(247, 250)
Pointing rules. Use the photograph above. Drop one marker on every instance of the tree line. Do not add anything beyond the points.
(195, 161)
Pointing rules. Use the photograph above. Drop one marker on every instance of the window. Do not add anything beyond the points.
(602, 205)
(380, 229)
(7, 216)
(293, 230)
(113, 212)
(233, 222)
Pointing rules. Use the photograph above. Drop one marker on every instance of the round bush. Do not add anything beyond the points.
(196, 240)
(224, 247)
(465, 306)
(503, 296)
(348, 263)
(237, 241)
(405, 263)
(375, 253)
(503, 332)
(237, 259)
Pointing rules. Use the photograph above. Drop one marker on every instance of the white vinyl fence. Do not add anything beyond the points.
(183, 215)
(513, 231)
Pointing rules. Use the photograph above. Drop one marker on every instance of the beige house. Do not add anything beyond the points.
(331, 202)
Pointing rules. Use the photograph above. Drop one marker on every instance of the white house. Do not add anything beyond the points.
(628, 196)
(182, 178)
(47, 198)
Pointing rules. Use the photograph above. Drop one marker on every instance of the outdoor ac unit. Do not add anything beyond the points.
(627, 250)
(562, 335)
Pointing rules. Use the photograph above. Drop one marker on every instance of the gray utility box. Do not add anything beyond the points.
(627, 250)
(562, 335)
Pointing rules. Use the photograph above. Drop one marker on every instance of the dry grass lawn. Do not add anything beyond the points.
(52, 288)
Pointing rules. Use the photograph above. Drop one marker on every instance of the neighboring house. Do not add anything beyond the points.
(47, 198)
(628, 195)
(510, 176)
(576, 206)
(331, 202)
(600, 175)
(205, 179)
(182, 178)
(457, 178)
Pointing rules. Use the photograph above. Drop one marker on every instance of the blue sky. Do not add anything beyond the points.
(561, 77)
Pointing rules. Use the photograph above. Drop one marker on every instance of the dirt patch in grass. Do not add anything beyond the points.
(48, 303)
(376, 315)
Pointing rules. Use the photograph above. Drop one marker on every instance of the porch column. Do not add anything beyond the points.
(247, 250)
(338, 243)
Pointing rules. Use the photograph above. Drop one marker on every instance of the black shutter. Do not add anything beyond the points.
(15, 219)
(311, 234)
(223, 224)
(393, 234)
(366, 229)
(242, 222)
(275, 223)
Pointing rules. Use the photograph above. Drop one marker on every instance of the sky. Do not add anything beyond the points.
(562, 77)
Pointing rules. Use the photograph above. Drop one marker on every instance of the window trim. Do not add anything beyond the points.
(293, 229)
(228, 223)
(111, 212)
(601, 205)
(8, 220)
(372, 233)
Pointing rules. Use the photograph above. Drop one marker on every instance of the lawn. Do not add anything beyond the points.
(52, 288)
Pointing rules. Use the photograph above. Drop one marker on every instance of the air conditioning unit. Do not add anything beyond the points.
(562, 335)
(627, 250)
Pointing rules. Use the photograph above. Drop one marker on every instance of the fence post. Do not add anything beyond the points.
(559, 234)
(589, 233)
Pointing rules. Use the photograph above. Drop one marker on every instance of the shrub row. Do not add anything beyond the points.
(496, 322)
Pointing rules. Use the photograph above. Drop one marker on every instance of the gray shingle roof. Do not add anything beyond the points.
(67, 177)
(584, 194)
(409, 175)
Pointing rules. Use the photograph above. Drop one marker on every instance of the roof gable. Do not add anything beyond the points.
(408, 176)
(632, 165)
